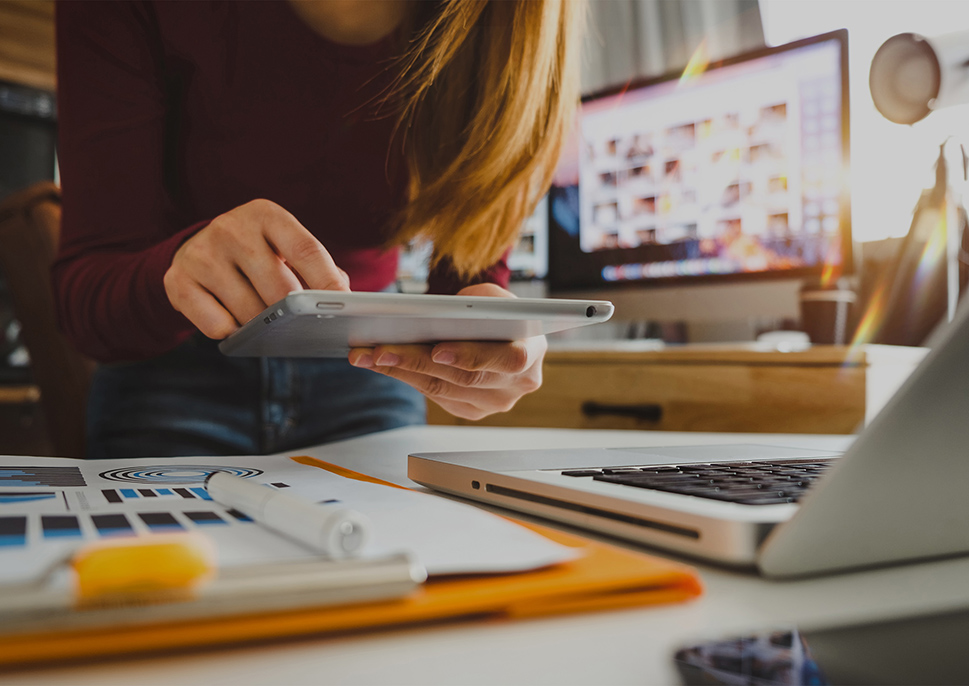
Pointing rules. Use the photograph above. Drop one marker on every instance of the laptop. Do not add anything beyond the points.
(899, 493)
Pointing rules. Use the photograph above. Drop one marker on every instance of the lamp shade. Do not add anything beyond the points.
(912, 75)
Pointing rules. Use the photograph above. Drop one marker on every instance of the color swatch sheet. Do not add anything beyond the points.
(52, 506)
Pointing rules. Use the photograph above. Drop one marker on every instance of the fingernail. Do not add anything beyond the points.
(365, 360)
(388, 360)
(444, 357)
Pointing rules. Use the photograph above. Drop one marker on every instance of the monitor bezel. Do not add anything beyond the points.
(562, 279)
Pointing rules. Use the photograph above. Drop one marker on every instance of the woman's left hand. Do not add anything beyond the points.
(470, 380)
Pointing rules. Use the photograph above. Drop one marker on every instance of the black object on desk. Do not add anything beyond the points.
(919, 650)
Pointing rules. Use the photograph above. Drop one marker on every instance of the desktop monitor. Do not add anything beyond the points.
(734, 173)
(527, 260)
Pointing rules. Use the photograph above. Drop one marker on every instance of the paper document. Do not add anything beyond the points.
(51, 506)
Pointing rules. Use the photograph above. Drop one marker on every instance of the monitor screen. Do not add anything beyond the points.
(733, 173)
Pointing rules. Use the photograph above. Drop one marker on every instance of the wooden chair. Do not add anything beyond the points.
(29, 232)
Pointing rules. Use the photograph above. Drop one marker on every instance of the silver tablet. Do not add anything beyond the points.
(328, 323)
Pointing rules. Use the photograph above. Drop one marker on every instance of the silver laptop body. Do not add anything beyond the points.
(899, 493)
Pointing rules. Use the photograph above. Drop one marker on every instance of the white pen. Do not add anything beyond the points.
(330, 529)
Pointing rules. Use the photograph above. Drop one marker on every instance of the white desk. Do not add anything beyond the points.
(625, 647)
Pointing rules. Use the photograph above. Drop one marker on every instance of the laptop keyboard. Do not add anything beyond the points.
(750, 483)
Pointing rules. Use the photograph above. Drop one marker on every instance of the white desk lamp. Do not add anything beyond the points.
(911, 76)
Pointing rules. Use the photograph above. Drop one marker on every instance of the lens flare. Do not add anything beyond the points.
(698, 64)
(871, 322)
(933, 252)
(832, 265)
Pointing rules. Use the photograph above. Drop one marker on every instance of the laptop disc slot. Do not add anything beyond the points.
(594, 511)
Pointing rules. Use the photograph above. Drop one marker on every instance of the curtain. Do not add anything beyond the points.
(630, 39)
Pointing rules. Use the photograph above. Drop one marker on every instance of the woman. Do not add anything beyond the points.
(217, 155)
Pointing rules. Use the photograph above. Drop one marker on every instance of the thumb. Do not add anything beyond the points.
(487, 289)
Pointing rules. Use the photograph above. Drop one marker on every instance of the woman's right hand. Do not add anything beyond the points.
(242, 262)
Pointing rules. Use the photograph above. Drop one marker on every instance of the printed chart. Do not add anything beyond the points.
(17, 530)
(173, 474)
(51, 508)
(49, 477)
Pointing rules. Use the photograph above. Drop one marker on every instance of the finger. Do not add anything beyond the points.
(361, 357)
(234, 291)
(234, 241)
(462, 409)
(269, 275)
(487, 289)
(205, 311)
(504, 358)
(304, 253)
(417, 358)
(302, 281)
(486, 400)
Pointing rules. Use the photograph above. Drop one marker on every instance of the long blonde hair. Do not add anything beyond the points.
(487, 91)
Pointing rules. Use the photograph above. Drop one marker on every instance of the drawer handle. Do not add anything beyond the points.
(648, 412)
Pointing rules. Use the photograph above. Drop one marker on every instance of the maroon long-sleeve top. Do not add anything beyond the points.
(172, 113)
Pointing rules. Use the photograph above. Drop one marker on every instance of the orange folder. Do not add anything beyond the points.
(603, 577)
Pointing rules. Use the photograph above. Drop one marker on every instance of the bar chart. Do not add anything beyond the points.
(48, 477)
(16, 531)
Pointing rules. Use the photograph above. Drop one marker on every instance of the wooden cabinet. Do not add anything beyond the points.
(739, 388)
(27, 42)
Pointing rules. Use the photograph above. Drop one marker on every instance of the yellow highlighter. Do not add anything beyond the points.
(138, 570)
(157, 578)
(146, 569)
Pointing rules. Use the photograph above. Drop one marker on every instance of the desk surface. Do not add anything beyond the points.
(625, 647)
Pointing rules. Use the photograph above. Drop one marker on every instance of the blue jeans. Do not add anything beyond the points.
(196, 401)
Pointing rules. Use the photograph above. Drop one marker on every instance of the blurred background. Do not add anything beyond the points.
(851, 262)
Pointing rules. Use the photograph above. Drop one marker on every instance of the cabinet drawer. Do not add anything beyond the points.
(690, 397)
